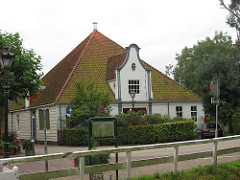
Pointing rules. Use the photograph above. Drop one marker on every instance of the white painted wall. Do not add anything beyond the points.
(165, 108)
(114, 109)
(24, 123)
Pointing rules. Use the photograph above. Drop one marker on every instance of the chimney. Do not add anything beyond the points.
(95, 26)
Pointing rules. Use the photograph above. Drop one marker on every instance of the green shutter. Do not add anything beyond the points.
(41, 123)
(47, 119)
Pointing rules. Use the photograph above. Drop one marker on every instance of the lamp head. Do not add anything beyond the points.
(6, 58)
(132, 94)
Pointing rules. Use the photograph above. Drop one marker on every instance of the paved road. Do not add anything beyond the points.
(67, 163)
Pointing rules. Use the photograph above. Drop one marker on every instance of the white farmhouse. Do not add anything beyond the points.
(114, 69)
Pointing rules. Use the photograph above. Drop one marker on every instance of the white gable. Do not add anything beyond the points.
(133, 74)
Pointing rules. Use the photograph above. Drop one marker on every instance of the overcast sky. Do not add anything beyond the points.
(161, 28)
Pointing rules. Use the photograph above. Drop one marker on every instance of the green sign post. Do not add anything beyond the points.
(102, 128)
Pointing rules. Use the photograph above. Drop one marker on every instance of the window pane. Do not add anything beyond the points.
(194, 113)
(133, 85)
(179, 111)
(133, 66)
(193, 108)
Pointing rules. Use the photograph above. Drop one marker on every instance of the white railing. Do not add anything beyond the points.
(175, 158)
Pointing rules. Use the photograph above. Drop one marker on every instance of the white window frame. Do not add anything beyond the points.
(134, 85)
(194, 113)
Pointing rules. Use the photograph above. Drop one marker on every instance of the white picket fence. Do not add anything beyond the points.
(128, 164)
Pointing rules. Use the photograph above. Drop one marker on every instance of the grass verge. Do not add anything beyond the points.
(224, 171)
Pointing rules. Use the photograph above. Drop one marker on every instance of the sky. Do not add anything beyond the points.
(161, 28)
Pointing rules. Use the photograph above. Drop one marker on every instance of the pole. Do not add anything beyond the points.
(6, 143)
(116, 145)
(216, 130)
(133, 104)
(45, 138)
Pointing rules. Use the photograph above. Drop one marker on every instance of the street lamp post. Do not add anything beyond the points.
(6, 60)
(132, 94)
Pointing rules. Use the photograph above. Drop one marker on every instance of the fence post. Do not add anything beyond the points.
(128, 164)
(214, 155)
(175, 160)
(82, 167)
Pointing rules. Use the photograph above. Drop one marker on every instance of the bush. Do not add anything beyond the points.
(160, 133)
(236, 122)
(12, 135)
(98, 159)
(1, 143)
(157, 118)
(149, 134)
(131, 118)
(75, 136)
(27, 144)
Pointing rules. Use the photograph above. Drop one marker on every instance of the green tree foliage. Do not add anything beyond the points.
(233, 19)
(24, 75)
(169, 69)
(86, 104)
(212, 59)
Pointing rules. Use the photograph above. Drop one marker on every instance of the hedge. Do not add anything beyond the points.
(75, 137)
(236, 122)
(148, 134)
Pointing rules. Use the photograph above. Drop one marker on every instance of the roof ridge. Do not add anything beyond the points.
(173, 80)
(74, 67)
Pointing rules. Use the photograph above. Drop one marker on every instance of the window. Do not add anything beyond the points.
(194, 113)
(133, 85)
(179, 112)
(133, 66)
(18, 123)
(41, 120)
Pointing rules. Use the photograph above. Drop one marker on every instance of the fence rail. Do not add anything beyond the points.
(128, 164)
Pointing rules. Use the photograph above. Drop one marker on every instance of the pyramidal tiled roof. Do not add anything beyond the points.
(95, 59)
(87, 62)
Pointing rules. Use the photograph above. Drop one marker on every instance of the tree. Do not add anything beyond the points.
(86, 104)
(169, 70)
(212, 59)
(24, 76)
(234, 15)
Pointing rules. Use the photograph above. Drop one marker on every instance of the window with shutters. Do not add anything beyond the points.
(41, 119)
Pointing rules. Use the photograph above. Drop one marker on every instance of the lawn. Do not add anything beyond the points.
(224, 171)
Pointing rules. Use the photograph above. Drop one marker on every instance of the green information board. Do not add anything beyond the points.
(102, 128)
